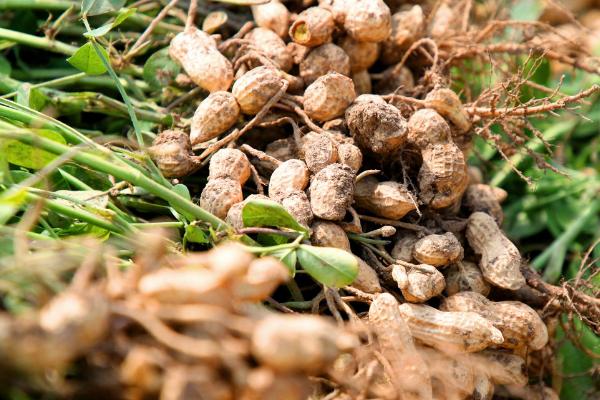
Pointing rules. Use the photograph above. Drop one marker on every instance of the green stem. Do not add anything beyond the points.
(173, 224)
(122, 172)
(50, 5)
(37, 42)
(65, 80)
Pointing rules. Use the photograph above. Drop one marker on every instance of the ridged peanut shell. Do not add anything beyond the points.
(368, 20)
(388, 199)
(272, 15)
(420, 283)
(255, 88)
(323, 59)
(501, 368)
(427, 127)
(520, 324)
(298, 205)
(481, 197)
(403, 248)
(376, 127)
(350, 155)
(290, 176)
(362, 82)
(366, 280)
(313, 27)
(171, 150)
(272, 46)
(216, 114)
(331, 190)
(448, 105)
(407, 28)
(329, 234)
(197, 53)
(319, 151)
(465, 276)
(328, 96)
(438, 250)
(219, 195)
(229, 163)
(500, 259)
(362, 54)
(451, 332)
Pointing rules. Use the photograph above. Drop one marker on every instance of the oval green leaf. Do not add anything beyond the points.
(160, 70)
(27, 156)
(260, 212)
(87, 60)
(330, 266)
(288, 257)
(97, 7)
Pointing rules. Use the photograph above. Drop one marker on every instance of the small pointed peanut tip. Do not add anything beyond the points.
(496, 336)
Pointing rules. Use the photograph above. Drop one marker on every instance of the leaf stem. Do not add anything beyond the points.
(38, 42)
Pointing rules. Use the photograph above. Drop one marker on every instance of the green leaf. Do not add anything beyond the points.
(10, 201)
(27, 156)
(526, 10)
(160, 70)
(97, 7)
(194, 234)
(87, 60)
(288, 257)
(104, 29)
(32, 98)
(330, 266)
(5, 67)
(182, 190)
(260, 212)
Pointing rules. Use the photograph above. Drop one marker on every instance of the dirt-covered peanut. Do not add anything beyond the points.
(366, 279)
(303, 343)
(265, 384)
(215, 114)
(376, 126)
(362, 82)
(443, 175)
(448, 331)
(420, 283)
(318, 151)
(438, 250)
(403, 248)
(481, 197)
(197, 53)
(313, 27)
(331, 190)
(465, 276)
(500, 367)
(229, 163)
(171, 150)
(395, 342)
(255, 88)
(328, 96)
(350, 155)
(362, 54)
(427, 127)
(323, 59)
(368, 20)
(389, 199)
(219, 195)
(290, 176)
(272, 15)
(272, 46)
(520, 324)
(407, 28)
(329, 234)
(298, 205)
(500, 259)
(234, 215)
(448, 105)
(282, 149)
(444, 21)
(453, 378)
(395, 80)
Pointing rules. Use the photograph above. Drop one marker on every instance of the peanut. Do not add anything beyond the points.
(484, 388)
(255, 88)
(376, 126)
(438, 250)
(501, 368)
(331, 191)
(480, 197)
(272, 15)
(172, 153)
(350, 155)
(219, 195)
(448, 105)
(362, 82)
(443, 175)
(520, 325)
(291, 175)
(450, 332)
(272, 46)
(234, 215)
(455, 378)
(282, 149)
(298, 205)
(197, 53)
(368, 20)
(265, 384)
(403, 248)
(420, 283)
(362, 54)
(329, 234)
(366, 279)
(319, 150)
(500, 260)
(465, 276)
(215, 114)
(396, 80)
(323, 59)
(407, 27)
(229, 163)
(302, 343)
(313, 27)
(328, 96)
(261, 280)
(388, 199)
(426, 127)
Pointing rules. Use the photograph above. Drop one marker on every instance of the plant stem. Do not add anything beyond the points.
(170, 224)
(120, 171)
(50, 5)
(37, 42)
(65, 80)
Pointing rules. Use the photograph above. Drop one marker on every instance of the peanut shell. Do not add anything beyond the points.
(448, 105)
(255, 88)
(313, 27)
(350, 155)
(362, 54)
(298, 205)
(362, 82)
(418, 284)
(407, 28)
(426, 127)
(290, 176)
(388, 199)
(215, 115)
(323, 59)
(171, 150)
(272, 15)
(438, 250)
(328, 96)
(229, 163)
(403, 248)
(465, 276)
(331, 190)
(329, 234)
(234, 215)
(368, 20)
(219, 195)
(480, 197)
(319, 151)
(272, 46)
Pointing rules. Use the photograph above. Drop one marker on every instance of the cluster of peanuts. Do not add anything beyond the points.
(362, 154)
